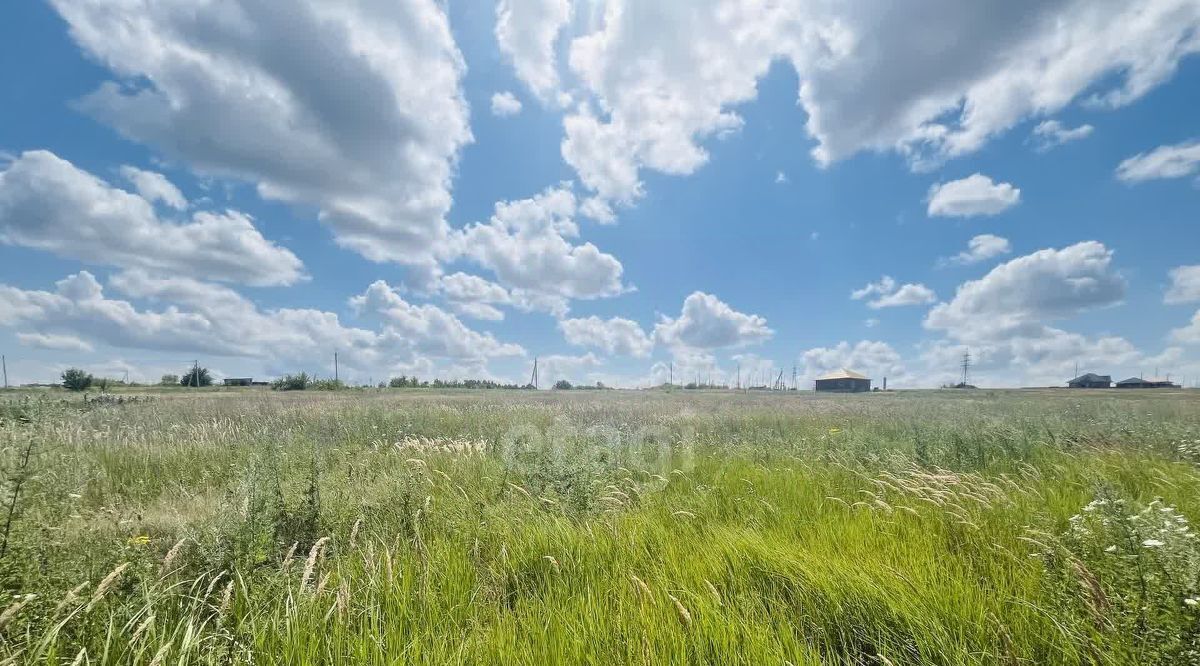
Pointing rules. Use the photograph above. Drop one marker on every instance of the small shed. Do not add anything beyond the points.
(239, 381)
(1091, 380)
(843, 381)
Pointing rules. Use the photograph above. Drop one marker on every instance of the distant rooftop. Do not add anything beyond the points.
(842, 374)
(1091, 377)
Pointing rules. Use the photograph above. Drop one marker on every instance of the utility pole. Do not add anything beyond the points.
(195, 380)
(4, 362)
(966, 367)
(793, 376)
(533, 379)
(739, 384)
(671, 380)
(335, 368)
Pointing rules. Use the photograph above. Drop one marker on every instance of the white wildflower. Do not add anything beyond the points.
(1153, 543)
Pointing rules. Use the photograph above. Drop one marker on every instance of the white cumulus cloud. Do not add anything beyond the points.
(1175, 161)
(974, 195)
(154, 186)
(353, 107)
(886, 293)
(1051, 133)
(49, 204)
(1023, 294)
(505, 104)
(525, 245)
(706, 322)
(615, 335)
(980, 248)
(526, 31)
(657, 81)
(1185, 285)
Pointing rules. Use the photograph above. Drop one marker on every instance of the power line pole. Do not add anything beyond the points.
(671, 380)
(4, 362)
(739, 384)
(966, 367)
(335, 367)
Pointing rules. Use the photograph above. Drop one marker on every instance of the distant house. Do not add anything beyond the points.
(1151, 382)
(1091, 380)
(844, 381)
(239, 381)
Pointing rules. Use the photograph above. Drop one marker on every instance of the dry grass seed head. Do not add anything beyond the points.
(70, 597)
(642, 588)
(713, 589)
(105, 584)
(287, 558)
(15, 607)
(314, 555)
(685, 616)
(171, 556)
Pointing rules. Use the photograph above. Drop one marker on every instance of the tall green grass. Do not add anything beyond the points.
(389, 527)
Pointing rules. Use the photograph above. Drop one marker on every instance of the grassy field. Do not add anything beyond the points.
(495, 527)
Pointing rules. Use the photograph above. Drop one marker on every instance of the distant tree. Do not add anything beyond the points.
(297, 382)
(326, 384)
(562, 385)
(74, 379)
(196, 376)
(169, 380)
(398, 382)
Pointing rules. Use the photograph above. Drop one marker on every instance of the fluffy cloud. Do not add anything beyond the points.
(526, 31)
(575, 369)
(354, 107)
(78, 305)
(474, 296)
(1046, 356)
(974, 195)
(525, 245)
(873, 358)
(1017, 297)
(1005, 319)
(708, 323)
(1185, 285)
(505, 104)
(980, 248)
(48, 204)
(428, 329)
(205, 318)
(615, 336)
(154, 187)
(1051, 133)
(54, 342)
(1189, 334)
(1177, 161)
(888, 295)
(658, 80)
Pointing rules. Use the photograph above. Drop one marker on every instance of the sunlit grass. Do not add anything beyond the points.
(382, 527)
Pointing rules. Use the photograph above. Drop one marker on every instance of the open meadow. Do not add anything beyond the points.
(601, 527)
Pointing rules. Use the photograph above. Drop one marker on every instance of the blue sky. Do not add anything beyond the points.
(616, 188)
